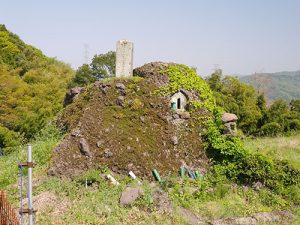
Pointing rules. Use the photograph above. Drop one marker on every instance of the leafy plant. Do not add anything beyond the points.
(182, 77)
(230, 158)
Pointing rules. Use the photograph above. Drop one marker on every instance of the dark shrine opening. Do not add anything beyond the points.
(178, 103)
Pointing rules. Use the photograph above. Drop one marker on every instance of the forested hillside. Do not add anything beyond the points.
(285, 85)
(32, 88)
(256, 117)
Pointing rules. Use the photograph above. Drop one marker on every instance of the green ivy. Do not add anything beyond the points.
(182, 77)
(228, 154)
(230, 158)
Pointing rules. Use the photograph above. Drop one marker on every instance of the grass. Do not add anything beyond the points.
(42, 147)
(225, 199)
(99, 202)
(281, 148)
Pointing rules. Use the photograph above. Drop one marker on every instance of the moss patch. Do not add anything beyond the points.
(137, 132)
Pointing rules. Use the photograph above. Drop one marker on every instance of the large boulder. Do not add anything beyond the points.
(130, 195)
(84, 147)
(152, 71)
(72, 94)
(229, 117)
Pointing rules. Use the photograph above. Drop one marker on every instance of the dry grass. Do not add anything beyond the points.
(282, 148)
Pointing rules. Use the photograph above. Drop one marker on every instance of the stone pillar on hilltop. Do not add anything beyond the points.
(124, 59)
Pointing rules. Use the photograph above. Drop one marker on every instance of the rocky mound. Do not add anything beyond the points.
(153, 72)
(125, 125)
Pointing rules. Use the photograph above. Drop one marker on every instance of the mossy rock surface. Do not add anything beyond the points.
(133, 132)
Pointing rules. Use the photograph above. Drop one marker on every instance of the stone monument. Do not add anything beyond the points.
(229, 120)
(124, 59)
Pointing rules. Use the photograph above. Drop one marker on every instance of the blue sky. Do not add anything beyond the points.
(238, 36)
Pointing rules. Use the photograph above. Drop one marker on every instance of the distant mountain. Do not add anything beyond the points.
(285, 85)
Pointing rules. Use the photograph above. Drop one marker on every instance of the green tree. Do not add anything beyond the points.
(295, 105)
(83, 76)
(277, 111)
(262, 105)
(215, 80)
(238, 98)
(9, 138)
(103, 65)
(277, 114)
(32, 88)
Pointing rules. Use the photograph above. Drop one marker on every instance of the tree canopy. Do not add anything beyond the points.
(251, 108)
(102, 66)
(32, 88)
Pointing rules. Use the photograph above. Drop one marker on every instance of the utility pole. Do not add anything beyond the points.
(216, 66)
(86, 53)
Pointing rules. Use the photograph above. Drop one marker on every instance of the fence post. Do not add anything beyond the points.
(29, 164)
(30, 214)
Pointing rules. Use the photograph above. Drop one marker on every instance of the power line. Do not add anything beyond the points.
(86, 53)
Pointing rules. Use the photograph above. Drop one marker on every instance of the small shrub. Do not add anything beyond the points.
(268, 198)
(9, 138)
(233, 160)
(270, 129)
(293, 125)
(292, 194)
(90, 177)
(221, 190)
(182, 194)
(136, 104)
